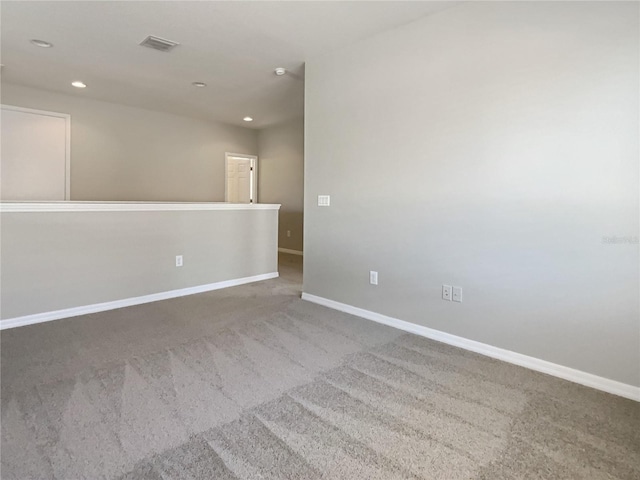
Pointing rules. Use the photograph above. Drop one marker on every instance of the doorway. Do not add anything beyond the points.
(35, 155)
(241, 178)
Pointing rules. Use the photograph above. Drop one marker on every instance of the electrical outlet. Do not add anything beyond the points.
(457, 294)
(373, 277)
(288, 233)
(178, 260)
(446, 292)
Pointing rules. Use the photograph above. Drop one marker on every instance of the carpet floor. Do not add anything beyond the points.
(251, 382)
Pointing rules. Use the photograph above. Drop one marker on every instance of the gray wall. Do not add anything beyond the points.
(493, 146)
(94, 257)
(281, 151)
(127, 153)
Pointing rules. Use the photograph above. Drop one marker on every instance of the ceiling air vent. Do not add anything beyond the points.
(158, 43)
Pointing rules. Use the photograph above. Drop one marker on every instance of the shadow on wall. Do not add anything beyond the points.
(290, 230)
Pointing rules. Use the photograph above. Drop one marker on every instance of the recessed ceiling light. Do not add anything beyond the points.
(248, 119)
(41, 43)
(78, 84)
(199, 84)
(280, 71)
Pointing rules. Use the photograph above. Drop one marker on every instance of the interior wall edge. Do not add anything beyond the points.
(127, 302)
(566, 373)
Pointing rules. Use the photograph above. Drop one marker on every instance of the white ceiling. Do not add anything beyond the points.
(232, 46)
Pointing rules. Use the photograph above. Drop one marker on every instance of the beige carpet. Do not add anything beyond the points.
(253, 383)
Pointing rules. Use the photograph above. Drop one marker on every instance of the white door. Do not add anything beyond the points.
(35, 155)
(241, 179)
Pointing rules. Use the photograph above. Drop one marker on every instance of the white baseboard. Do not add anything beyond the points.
(127, 302)
(292, 252)
(560, 371)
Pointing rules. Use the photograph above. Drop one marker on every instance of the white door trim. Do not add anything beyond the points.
(254, 173)
(67, 129)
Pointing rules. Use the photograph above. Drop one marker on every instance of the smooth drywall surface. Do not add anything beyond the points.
(493, 146)
(93, 257)
(281, 172)
(126, 153)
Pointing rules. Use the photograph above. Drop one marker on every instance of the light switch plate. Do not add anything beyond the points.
(324, 200)
(178, 260)
(373, 277)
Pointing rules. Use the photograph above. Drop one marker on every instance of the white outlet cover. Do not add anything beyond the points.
(446, 292)
(373, 277)
(178, 260)
(457, 294)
